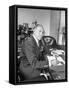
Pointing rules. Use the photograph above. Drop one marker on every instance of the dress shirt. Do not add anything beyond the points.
(37, 41)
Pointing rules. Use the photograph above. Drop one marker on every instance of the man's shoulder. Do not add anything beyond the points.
(29, 40)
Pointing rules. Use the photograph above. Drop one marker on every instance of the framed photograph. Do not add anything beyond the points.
(37, 44)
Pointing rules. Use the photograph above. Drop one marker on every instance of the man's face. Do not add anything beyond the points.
(39, 33)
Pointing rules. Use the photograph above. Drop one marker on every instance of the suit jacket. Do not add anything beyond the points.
(30, 61)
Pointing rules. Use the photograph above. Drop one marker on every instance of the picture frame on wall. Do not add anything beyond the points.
(37, 44)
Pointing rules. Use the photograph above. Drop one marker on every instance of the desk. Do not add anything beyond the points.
(58, 71)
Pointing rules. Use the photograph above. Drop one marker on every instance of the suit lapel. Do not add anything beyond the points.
(35, 42)
(36, 47)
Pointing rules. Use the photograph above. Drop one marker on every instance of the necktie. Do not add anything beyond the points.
(39, 43)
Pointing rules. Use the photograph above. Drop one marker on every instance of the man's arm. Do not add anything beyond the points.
(32, 57)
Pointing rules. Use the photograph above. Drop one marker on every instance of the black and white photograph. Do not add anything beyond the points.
(41, 44)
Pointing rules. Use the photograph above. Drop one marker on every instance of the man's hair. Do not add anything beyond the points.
(38, 25)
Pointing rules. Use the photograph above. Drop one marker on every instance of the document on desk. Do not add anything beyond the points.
(54, 59)
(50, 58)
(60, 59)
(59, 52)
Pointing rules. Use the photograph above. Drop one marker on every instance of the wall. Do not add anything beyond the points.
(30, 15)
(62, 19)
(54, 23)
(50, 19)
(62, 24)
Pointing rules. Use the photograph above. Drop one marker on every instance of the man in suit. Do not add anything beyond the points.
(30, 63)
